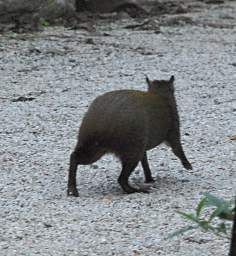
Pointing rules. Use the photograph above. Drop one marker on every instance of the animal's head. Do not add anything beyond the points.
(161, 86)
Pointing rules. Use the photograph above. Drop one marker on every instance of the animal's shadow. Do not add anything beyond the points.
(162, 183)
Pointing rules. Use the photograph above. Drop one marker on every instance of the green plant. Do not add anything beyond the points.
(44, 22)
(211, 215)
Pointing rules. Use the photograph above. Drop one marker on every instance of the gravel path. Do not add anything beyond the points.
(60, 72)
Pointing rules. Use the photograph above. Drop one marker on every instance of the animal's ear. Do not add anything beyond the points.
(172, 79)
(148, 81)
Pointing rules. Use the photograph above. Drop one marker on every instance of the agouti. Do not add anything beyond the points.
(127, 123)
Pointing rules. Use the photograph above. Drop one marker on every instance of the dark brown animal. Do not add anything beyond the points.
(128, 123)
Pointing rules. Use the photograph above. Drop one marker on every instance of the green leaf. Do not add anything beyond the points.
(222, 228)
(215, 201)
(44, 22)
(227, 215)
(200, 206)
(204, 224)
(182, 231)
(188, 216)
(217, 212)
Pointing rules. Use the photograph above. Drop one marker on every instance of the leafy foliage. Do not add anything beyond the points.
(44, 22)
(211, 215)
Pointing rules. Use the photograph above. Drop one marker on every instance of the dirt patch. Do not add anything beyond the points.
(36, 17)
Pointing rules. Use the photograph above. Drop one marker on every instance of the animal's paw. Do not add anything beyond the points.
(150, 180)
(72, 192)
(187, 166)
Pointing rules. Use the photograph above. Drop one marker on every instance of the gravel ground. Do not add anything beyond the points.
(60, 72)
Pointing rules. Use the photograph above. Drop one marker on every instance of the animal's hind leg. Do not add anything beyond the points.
(146, 169)
(71, 189)
(176, 146)
(128, 167)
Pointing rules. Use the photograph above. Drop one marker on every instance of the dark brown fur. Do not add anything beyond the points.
(128, 123)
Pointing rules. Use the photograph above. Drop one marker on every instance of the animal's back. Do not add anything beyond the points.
(121, 119)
